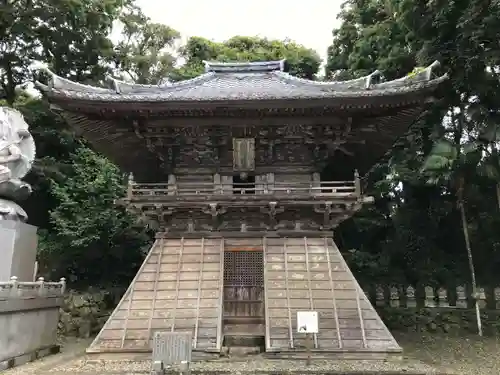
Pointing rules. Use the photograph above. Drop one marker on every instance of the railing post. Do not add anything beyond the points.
(41, 286)
(62, 281)
(172, 184)
(130, 185)
(14, 291)
(357, 183)
(35, 270)
(217, 184)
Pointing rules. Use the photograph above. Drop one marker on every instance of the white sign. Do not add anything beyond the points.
(307, 321)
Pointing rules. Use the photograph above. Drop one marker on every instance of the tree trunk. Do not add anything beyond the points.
(498, 194)
(497, 185)
(463, 216)
(8, 86)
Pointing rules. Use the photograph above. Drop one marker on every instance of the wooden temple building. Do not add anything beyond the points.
(246, 170)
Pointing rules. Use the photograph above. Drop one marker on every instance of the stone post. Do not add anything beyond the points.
(19, 239)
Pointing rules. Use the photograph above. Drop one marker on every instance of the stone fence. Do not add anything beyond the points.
(439, 310)
(29, 315)
(461, 297)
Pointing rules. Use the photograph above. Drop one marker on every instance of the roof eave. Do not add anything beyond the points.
(356, 99)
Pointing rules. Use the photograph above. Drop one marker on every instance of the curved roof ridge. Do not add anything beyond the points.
(60, 83)
(122, 87)
(423, 75)
(243, 85)
(357, 83)
(365, 82)
(244, 67)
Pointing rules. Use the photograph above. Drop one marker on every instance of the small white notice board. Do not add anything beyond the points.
(307, 321)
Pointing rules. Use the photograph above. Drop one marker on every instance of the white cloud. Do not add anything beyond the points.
(309, 23)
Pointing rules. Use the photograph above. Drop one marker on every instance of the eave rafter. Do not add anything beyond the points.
(140, 132)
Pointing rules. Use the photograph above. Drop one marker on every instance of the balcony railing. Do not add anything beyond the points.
(339, 189)
(31, 289)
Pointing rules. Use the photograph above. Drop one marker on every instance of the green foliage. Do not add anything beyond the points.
(413, 231)
(450, 154)
(88, 229)
(71, 36)
(302, 62)
(144, 53)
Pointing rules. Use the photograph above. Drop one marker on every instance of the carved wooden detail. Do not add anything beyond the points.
(335, 213)
(284, 196)
(295, 144)
(140, 131)
(271, 210)
(216, 212)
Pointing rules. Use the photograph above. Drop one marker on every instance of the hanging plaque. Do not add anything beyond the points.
(243, 154)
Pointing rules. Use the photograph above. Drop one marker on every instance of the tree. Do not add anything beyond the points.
(302, 62)
(71, 36)
(145, 53)
(455, 141)
(92, 242)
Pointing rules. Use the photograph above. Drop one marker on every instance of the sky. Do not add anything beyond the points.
(309, 23)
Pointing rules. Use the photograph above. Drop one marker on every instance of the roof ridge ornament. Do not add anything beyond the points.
(420, 76)
(60, 83)
(121, 86)
(244, 67)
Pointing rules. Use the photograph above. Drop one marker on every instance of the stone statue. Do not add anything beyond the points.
(17, 153)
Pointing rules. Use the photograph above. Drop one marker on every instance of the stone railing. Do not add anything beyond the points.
(441, 310)
(461, 297)
(27, 289)
(29, 316)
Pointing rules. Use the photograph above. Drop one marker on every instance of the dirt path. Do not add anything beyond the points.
(70, 350)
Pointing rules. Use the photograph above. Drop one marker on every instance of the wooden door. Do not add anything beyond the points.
(244, 288)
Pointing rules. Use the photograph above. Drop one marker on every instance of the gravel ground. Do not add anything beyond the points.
(469, 355)
(257, 365)
(423, 355)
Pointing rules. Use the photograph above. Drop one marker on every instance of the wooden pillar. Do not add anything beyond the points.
(227, 182)
(130, 185)
(270, 181)
(218, 184)
(260, 183)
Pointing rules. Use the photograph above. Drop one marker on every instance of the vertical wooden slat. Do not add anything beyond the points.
(221, 295)
(361, 320)
(130, 293)
(287, 291)
(332, 288)
(266, 284)
(177, 285)
(155, 287)
(311, 303)
(200, 282)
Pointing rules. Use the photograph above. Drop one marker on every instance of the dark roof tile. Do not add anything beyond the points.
(242, 81)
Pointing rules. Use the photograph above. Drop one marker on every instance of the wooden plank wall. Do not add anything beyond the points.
(310, 274)
(178, 289)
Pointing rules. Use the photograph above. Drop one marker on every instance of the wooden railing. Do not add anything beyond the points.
(322, 188)
(30, 289)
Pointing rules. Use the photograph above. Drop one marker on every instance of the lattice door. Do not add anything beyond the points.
(243, 284)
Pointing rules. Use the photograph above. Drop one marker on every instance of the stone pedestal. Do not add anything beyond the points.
(18, 244)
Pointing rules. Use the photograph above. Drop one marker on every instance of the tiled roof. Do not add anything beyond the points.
(242, 81)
